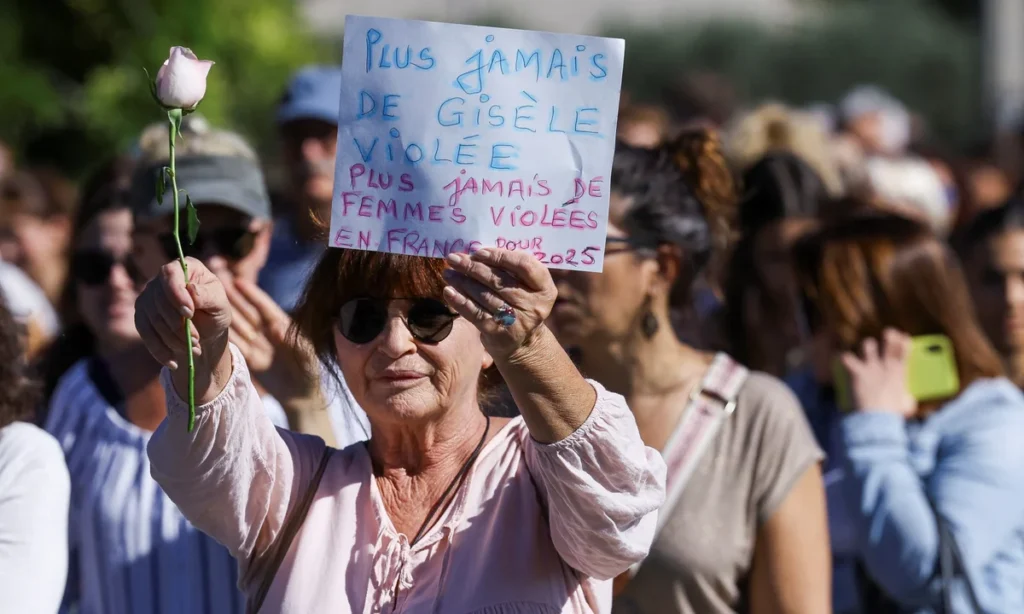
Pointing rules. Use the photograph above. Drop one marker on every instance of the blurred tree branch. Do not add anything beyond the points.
(74, 68)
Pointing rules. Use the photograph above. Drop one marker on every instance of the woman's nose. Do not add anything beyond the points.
(396, 340)
(120, 278)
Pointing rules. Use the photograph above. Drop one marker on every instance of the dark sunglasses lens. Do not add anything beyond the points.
(170, 246)
(233, 243)
(362, 319)
(93, 268)
(430, 320)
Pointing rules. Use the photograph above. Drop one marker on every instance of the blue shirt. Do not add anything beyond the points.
(968, 460)
(289, 265)
(132, 551)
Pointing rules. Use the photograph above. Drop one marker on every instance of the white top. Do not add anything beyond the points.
(34, 493)
(27, 300)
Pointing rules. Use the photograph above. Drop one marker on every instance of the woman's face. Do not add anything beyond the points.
(33, 243)
(395, 377)
(106, 290)
(995, 272)
(597, 308)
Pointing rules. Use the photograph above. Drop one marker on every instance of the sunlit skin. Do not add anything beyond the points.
(308, 151)
(109, 309)
(995, 272)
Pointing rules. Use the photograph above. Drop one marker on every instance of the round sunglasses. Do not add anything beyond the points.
(93, 267)
(362, 319)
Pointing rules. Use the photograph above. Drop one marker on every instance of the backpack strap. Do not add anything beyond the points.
(280, 548)
(710, 404)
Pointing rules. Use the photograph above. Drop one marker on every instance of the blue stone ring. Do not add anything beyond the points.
(505, 316)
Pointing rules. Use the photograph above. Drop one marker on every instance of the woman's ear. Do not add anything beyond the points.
(486, 362)
(670, 265)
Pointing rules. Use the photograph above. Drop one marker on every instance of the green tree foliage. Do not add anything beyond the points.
(73, 69)
(917, 52)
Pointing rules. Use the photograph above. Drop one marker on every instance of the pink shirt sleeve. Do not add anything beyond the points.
(602, 487)
(235, 475)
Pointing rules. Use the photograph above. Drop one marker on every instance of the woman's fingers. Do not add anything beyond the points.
(275, 320)
(241, 307)
(466, 307)
(482, 295)
(870, 351)
(497, 280)
(172, 282)
(522, 265)
(896, 345)
(154, 343)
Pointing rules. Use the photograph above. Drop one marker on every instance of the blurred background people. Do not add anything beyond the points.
(992, 248)
(307, 121)
(35, 225)
(781, 200)
(758, 483)
(905, 472)
(775, 128)
(34, 489)
(221, 174)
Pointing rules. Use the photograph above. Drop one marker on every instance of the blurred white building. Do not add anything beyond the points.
(570, 16)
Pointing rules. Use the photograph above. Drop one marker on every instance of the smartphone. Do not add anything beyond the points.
(931, 372)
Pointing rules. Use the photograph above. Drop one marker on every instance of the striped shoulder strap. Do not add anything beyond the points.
(710, 404)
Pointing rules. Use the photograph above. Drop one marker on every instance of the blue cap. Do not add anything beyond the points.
(314, 93)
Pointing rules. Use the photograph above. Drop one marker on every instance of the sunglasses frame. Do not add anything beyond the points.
(432, 339)
(77, 269)
(170, 247)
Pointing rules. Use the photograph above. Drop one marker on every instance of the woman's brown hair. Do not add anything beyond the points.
(872, 271)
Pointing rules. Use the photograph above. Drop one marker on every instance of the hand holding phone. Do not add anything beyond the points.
(897, 376)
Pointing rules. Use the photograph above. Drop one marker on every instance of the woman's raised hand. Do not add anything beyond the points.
(159, 317)
(506, 294)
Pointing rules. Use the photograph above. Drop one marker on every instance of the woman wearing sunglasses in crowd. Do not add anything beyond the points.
(914, 480)
(444, 509)
(132, 551)
(748, 533)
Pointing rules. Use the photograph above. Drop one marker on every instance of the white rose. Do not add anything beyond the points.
(181, 82)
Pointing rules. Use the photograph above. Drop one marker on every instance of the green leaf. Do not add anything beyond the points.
(161, 184)
(193, 220)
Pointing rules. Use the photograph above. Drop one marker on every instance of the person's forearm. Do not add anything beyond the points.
(552, 396)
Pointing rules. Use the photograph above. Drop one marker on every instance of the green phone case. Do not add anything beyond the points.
(931, 371)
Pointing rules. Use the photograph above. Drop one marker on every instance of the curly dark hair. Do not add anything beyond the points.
(682, 194)
(18, 391)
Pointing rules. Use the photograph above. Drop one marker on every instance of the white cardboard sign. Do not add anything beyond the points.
(455, 137)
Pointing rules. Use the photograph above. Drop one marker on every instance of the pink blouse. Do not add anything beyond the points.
(535, 529)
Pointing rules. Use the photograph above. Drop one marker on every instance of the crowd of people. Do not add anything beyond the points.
(794, 389)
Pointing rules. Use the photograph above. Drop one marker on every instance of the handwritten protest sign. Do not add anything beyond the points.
(455, 137)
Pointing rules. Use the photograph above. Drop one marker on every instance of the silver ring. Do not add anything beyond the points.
(505, 316)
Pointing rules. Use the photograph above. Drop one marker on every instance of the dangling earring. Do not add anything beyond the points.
(649, 325)
(649, 322)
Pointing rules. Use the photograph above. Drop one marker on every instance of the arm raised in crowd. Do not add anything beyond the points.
(601, 484)
(976, 486)
(235, 475)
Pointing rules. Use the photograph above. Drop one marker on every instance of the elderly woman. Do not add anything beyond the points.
(443, 509)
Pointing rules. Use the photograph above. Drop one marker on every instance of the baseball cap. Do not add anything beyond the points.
(230, 181)
(314, 93)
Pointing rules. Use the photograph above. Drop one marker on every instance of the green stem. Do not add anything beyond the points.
(184, 268)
